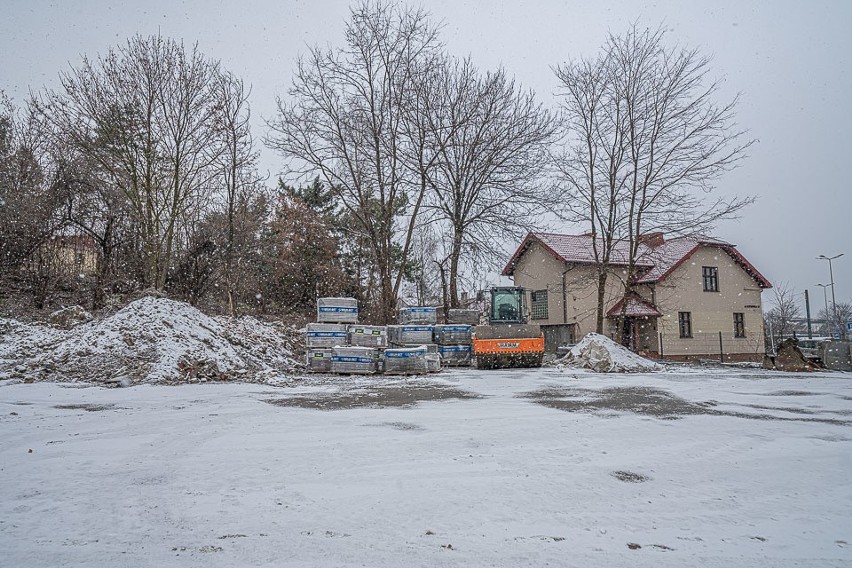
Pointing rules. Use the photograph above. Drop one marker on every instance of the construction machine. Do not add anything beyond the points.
(508, 341)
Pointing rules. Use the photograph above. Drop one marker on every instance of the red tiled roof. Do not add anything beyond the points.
(636, 307)
(657, 262)
(573, 249)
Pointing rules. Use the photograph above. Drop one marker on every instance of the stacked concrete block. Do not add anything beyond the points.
(455, 355)
(337, 310)
(423, 315)
(318, 359)
(453, 334)
(411, 360)
(409, 335)
(354, 360)
(326, 335)
(463, 316)
(368, 336)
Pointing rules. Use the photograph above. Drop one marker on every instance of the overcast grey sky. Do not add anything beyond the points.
(790, 61)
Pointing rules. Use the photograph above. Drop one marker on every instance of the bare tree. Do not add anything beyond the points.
(645, 143)
(781, 317)
(832, 323)
(237, 162)
(145, 114)
(491, 142)
(344, 120)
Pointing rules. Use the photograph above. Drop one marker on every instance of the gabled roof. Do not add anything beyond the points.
(656, 263)
(636, 307)
(573, 249)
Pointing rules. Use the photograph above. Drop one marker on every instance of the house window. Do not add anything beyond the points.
(684, 320)
(711, 278)
(739, 325)
(538, 309)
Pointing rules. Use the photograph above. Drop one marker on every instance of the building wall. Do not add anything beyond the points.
(538, 269)
(711, 312)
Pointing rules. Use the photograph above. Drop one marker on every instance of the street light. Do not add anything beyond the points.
(831, 275)
(825, 299)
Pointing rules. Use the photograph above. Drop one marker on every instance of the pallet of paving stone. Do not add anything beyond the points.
(319, 359)
(337, 310)
(452, 334)
(354, 360)
(326, 334)
(409, 335)
(455, 355)
(424, 315)
(463, 316)
(368, 336)
(411, 360)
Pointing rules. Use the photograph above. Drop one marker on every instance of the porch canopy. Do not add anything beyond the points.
(636, 308)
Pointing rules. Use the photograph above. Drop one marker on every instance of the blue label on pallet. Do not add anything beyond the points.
(417, 328)
(326, 334)
(465, 328)
(419, 310)
(347, 359)
(391, 354)
(454, 349)
(338, 310)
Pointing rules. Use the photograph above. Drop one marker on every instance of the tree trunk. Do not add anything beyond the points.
(455, 254)
(602, 277)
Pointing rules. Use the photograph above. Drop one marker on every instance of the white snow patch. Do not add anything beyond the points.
(150, 340)
(603, 355)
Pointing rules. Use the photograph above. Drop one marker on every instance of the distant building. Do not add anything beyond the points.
(694, 297)
(70, 255)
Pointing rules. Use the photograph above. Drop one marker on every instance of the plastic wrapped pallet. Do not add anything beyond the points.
(408, 360)
(368, 335)
(463, 316)
(418, 315)
(452, 334)
(319, 360)
(354, 360)
(455, 355)
(337, 310)
(325, 335)
(402, 335)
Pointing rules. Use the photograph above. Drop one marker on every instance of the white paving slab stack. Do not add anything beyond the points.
(325, 334)
(337, 310)
(318, 359)
(455, 355)
(411, 360)
(354, 360)
(422, 314)
(409, 335)
(463, 316)
(453, 334)
(368, 336)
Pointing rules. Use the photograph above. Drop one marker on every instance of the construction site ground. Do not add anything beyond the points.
(524, 467)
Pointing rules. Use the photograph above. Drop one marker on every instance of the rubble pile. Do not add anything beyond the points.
(603, 355)
(151, 340)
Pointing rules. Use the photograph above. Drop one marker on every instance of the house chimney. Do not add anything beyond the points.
(652, 240)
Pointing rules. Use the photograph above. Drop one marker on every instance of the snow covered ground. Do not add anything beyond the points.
(688, 467)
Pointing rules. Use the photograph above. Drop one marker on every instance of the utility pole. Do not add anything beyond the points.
(831, 275)
(808, 313)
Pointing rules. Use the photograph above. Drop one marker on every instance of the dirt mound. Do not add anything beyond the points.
(152, 340)
(603, 355)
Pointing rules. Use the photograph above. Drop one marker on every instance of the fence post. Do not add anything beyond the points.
(662, 355)
(721, 351)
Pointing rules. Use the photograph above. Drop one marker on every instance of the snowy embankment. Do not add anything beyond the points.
(601, 354)
(151, 340)
(711, 468)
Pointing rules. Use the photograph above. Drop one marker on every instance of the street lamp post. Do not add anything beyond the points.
(831, 275)
(825, 299)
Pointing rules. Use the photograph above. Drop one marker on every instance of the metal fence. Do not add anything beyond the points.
(721, 345)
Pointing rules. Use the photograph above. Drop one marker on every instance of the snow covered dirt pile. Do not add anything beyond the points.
(603, 355)
(157, 340)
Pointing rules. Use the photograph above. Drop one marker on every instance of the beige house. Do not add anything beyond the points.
(694, 297)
